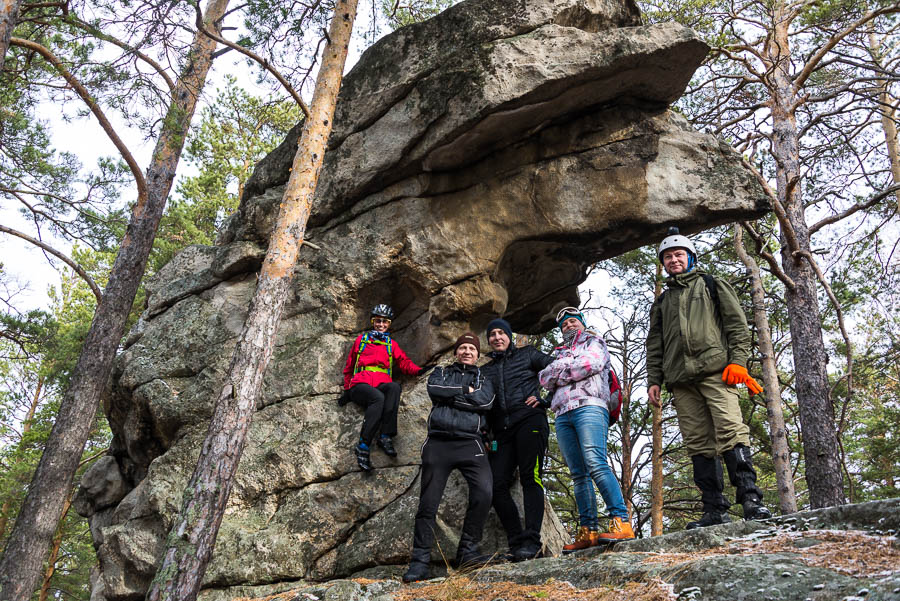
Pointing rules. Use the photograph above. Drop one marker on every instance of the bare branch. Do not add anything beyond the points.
(76, 22)
(768, 257)
(252, 55)
(855, 208)
(777, 207)
(813, 62)
(78, 269)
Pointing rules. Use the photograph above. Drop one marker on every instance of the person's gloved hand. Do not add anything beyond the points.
(425, 369)
(753, 386)
(734, 374)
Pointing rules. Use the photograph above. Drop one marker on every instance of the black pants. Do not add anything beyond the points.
(439, 458)
(522, 447)
(381, 405)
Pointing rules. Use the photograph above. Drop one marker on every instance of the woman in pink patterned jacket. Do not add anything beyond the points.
(578, 382)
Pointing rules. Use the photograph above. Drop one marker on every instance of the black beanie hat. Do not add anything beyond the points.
(501, 324)
(467, 338)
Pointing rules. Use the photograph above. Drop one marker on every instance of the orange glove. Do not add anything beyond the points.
(753, 386)
(734, 374)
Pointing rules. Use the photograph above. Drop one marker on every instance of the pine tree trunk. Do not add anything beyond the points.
(656, 478)
(192, 537)
(9, 17)
(820, 445)
(33, 531)
(781, 452)
(888, 112)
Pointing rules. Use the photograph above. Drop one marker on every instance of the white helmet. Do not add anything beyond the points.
(675, 240)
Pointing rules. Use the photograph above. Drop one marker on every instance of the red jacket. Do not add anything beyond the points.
(375, 355)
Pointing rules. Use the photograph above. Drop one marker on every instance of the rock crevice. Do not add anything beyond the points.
(481, 162)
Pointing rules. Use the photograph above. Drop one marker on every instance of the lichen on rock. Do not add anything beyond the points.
(480, 163)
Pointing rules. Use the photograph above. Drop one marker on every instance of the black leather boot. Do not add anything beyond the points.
(743, 478)
(709, 479)
(417, 571)
(468, 556)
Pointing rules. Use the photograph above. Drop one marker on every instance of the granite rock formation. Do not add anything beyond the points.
(480, 163)
(847, 553)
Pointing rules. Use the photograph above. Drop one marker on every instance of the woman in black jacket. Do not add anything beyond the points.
(519, 425)
(461, 396)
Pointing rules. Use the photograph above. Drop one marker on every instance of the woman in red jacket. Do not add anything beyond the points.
(368, 380)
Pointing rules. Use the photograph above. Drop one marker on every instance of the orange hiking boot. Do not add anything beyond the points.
(618, 530)
(584, 539)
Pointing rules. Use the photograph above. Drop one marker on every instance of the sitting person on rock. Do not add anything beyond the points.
(519, 425)
(461, 397)
(578, 381)
(368, 382)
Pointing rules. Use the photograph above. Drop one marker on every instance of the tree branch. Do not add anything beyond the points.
(777, 207)
(76, 22)
(855, 208)
(78, 269)
(813, 62)
(95, 109)
(252, 55)
(768, 257)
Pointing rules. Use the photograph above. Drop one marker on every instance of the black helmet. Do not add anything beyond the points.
(383, 310)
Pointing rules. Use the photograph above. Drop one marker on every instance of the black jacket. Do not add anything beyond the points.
(514, 373)
(458, 413)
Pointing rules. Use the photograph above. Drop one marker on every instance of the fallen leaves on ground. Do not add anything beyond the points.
(463, 588)
(850, 552)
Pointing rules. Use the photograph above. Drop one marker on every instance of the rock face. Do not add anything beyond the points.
(849, 553)
(480, 163)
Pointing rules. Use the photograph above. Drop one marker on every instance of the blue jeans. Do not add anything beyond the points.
(582, 435)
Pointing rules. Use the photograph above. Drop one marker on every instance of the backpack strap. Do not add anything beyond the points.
(390, 351)
(711, 287)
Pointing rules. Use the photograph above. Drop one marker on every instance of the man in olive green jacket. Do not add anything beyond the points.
(698, 346)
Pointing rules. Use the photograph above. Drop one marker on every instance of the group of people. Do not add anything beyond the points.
(490, 421)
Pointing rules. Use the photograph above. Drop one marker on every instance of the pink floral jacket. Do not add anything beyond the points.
(579, 374)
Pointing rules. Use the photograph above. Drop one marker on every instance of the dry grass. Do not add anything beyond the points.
(463, 588)
(849, 552)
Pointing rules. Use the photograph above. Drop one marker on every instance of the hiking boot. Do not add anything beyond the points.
(527, 551)
(471, 561)
(709, 518)
(584, 539)
(417, 571)
(754, 509)
(362, 457)
(743, 477)
(386, 444)
(467, 554)
(619, 529)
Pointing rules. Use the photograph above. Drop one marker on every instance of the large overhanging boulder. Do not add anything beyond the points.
(480, 163)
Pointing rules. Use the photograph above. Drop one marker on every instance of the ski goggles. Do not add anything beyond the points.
(566, 312)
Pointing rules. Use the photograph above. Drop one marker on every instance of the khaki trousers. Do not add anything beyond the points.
(709, 416)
